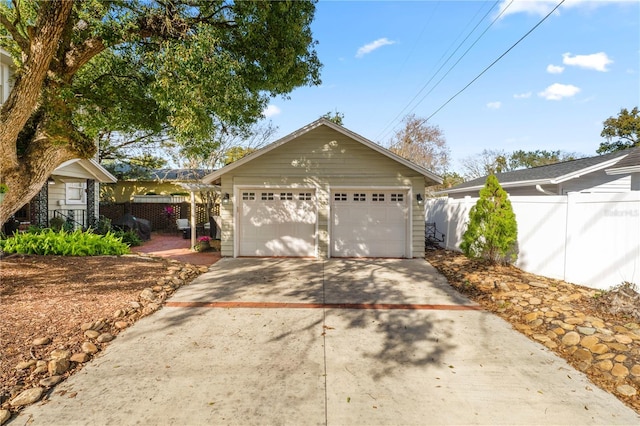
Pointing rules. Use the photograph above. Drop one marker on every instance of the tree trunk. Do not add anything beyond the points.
(26, 173)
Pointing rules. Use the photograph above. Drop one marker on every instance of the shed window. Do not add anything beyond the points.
(377, 197)
(267, 196)
(397, 197)
(304, 196)
(359, 197)
(76, 193)
(286, 196)
(248, 196)
(340, 197)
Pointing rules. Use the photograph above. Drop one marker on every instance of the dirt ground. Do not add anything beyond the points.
(51, 296)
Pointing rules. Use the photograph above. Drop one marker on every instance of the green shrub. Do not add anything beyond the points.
(103, 226)
(56, 223)
(492, 231)
(130, 238)
(63, 243)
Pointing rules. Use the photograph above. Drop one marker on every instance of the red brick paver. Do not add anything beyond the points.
(175, 247)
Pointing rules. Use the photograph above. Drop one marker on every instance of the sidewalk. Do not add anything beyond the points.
(173, 246)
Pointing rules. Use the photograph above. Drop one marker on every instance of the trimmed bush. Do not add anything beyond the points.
(63, 243)
(492, 231)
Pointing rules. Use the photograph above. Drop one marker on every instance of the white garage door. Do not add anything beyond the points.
(369, 223)
(277, 223)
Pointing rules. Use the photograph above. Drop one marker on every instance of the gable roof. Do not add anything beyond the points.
(549, 174)
(311, 126)
(83, 168)
(629, 164)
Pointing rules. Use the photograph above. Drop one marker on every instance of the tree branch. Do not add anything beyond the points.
(15, 34)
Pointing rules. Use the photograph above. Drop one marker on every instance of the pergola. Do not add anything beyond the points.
(194, 187)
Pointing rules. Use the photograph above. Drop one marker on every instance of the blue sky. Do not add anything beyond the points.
(552, 91)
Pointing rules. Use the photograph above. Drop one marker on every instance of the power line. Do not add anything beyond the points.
(384, 133)
(496, 61)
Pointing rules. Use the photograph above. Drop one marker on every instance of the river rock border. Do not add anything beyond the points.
(604, 347)
(60, 363)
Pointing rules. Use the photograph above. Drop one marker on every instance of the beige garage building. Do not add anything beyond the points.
(323, 191)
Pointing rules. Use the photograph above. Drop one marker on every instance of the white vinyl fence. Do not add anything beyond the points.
(587, 239)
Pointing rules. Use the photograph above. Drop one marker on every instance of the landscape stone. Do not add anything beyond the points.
(91, 334)
(121, 324)
(23, 365)
(583, 355)
(41, 341)
(534, 301)
(58, 366)
(574, 321)
(50, 381)
(4, 416)
(105, 337)
(626, 390)
(571, 338)
(27, 397)
(86, 326)
(538, 284)
(586, 330)
(620, 358)
(58, 354)
(80, 357)
(635, 370)
(589, 341)
(624, 339)
(619, 370)
(605, 365)
(599, 349)
(89, 348)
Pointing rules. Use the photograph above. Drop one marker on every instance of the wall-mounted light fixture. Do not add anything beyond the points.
(419, 199)
(225, 198)
(50, 181)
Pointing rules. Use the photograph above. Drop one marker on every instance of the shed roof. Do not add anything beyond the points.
(432, 177)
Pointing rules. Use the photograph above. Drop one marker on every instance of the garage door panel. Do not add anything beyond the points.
(369, 223)
(277, 223)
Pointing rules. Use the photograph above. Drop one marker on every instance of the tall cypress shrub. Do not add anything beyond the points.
(492, 231)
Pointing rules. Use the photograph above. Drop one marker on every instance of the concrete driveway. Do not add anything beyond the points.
(337, 342)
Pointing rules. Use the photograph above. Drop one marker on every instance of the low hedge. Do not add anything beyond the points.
(63, 243)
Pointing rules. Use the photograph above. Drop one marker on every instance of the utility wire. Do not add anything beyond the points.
(496, 61)
(384, 133)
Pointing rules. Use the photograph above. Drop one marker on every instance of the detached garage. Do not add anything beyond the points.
(322, 191)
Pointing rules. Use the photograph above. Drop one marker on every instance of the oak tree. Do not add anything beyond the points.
(181, 69)
(622, 132)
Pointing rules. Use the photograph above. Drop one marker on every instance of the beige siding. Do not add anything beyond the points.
(323, 159)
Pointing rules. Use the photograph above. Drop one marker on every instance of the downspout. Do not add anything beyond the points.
(544, 191)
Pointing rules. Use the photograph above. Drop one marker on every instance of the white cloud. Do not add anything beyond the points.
(557, 91)
(522, 95)
(271, 110)
(595, 61)
(542, 7)
(368, 48)
(554, 69)
(494, 105)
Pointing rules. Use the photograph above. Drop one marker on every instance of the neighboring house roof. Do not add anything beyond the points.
(179, 174)
(549, 174)
(213, 177)
(84, 169)
(629, 164)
